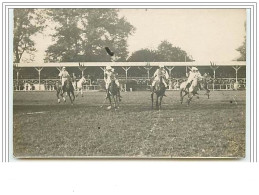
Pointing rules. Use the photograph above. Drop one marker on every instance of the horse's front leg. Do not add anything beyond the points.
(157, 102)
(73, 94)
(190, 96)
(182, 96)
(152, 99)
(58, 96)
(82, 92)
(110, 100)
(68, 93)
(117, 101)
(160, 102)
(61, 94)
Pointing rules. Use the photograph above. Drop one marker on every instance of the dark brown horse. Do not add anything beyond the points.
(68, 87)
(113, 95)
(159, 90)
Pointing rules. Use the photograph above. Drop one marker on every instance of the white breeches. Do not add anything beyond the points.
(157, 79)
(74, 84)
(108, 83)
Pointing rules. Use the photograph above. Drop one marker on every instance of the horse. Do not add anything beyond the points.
(196, 84)
(68, 87)
(113, 95)
(79, 86)
(159, 89)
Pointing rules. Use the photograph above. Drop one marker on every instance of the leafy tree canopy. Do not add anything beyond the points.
(165, 52)
(82, 34)
(27, 22)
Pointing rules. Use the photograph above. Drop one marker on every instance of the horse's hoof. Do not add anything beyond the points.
(109, 107)
(58, 100)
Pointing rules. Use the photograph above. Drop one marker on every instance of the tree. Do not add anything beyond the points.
(171, 53)
(165, 52)
(242, 50)
(145, 55)
(27, 22)
(82, 34)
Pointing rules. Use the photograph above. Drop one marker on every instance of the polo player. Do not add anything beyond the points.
(193, 74)
(109, 76)
(161, 71)
(64, 76)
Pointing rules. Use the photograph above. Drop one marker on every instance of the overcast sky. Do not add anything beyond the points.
(206, 34)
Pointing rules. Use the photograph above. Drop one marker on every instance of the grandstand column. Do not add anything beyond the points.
(214, 67)
(126, 68)
(148, 68)
(39, 70)
(59, 69)
(236, 69)
(126, 71)
(82, 68)
(17, 75)
(103, 69)
(170, 68)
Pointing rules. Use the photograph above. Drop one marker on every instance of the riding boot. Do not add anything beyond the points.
(187, 86)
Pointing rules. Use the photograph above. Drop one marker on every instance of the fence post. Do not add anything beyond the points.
(39, 70)
(126, 72)
(170, 68)
(214, 67)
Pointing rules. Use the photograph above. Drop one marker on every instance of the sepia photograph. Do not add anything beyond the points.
(129, 83)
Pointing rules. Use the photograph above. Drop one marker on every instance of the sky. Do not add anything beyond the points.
(205, 34)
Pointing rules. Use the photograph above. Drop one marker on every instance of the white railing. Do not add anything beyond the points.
(142, 83)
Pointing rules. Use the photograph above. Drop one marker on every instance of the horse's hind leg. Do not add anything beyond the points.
(73, 94)
(182, 96)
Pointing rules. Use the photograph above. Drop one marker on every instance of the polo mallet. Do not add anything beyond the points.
(109, 51)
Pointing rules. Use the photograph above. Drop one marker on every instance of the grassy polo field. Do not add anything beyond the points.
(212, 127)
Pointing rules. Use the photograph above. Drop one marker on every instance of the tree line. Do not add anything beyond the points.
(81, 34)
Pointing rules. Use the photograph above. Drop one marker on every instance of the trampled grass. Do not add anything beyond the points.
(212, 127)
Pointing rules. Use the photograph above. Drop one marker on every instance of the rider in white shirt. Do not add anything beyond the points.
(64, 76)
(194, 73)
(161, 71)
(110, 75)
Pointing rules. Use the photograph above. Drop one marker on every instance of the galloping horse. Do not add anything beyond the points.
(80, 86)
(159, 90)
(198, 82)
(113, 95)
(68, 87)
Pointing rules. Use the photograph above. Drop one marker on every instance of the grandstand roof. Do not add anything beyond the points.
(102, 64)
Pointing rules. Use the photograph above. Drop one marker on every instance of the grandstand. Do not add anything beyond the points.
(133, 75)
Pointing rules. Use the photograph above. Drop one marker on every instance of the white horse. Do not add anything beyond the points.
(79, 86)
(193, 89)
